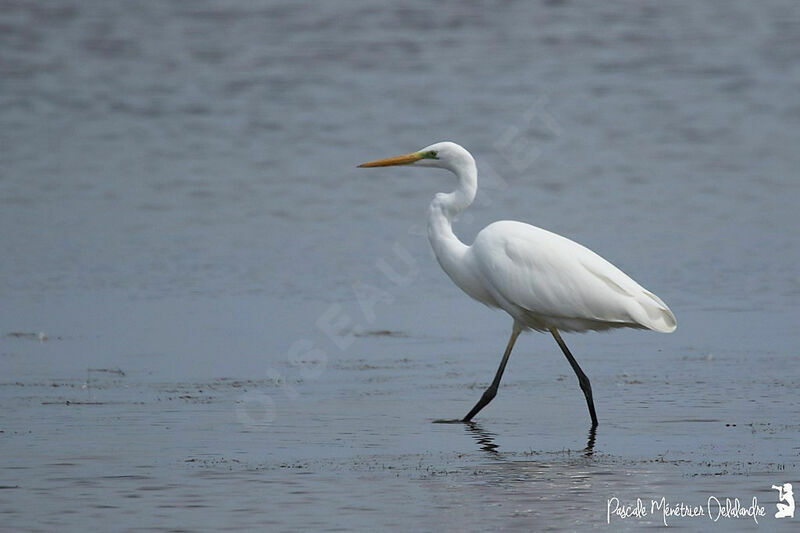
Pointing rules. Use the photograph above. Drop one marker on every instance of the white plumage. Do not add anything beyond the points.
(546, 282)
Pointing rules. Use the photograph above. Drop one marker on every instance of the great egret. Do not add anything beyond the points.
(546, 282)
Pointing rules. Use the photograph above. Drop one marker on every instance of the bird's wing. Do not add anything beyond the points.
(553, 277)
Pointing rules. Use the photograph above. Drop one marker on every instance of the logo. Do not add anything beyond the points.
(713, 508)
(785, 494)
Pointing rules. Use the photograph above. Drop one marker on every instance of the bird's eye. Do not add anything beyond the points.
(431, 154)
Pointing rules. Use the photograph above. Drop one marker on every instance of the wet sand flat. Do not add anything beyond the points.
(350, 443)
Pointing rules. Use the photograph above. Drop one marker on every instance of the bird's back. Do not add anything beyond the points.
(545, 280)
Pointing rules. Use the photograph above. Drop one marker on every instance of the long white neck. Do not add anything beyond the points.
(444, 207)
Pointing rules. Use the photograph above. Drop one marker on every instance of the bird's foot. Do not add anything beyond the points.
(451, 421)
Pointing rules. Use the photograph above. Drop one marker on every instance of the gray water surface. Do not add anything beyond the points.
(211, 320)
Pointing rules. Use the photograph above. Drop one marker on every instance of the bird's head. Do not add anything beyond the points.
(447, 155)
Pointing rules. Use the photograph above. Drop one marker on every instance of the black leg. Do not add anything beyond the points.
(586, 387)
(491, 392)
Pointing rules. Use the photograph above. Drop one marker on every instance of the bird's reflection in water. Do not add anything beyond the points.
(589, 450)
(484, 438)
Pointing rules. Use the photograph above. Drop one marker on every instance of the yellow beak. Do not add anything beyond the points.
(392, 161)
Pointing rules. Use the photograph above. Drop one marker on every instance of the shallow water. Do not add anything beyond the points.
(212, 320)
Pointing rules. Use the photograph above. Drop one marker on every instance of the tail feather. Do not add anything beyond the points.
(655, 314)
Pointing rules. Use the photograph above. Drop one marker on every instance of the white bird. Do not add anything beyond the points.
(546, 282)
